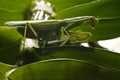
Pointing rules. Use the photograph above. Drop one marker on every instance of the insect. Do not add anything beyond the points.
(50, 31)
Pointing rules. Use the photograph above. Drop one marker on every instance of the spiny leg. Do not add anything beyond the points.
(41, 42)
(25, 34)
(22, 47)
(64, 31)
(71, 21)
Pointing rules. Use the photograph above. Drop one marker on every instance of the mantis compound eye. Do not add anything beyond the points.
(42, 10)
(93, 22)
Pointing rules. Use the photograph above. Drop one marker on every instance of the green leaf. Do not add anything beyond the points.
(101, 57)
(63, 69)
(99, 8)
(9, 44)
(12, 10)
(4, 68)
(63, 4)
(2, 77)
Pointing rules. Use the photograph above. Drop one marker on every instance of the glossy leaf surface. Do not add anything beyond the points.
(97, 56)
(63, 69)
(9, 45)
(4, 68)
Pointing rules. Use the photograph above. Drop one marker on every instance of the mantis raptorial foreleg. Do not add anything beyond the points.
(64, 31)
(78, 36)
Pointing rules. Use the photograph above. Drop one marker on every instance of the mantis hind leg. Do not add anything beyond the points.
(41, 42)
(23, 42)
(24, 48)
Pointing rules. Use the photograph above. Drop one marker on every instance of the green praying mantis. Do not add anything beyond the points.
(50, 31)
